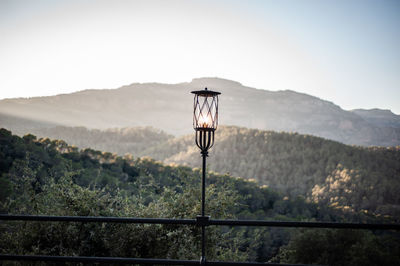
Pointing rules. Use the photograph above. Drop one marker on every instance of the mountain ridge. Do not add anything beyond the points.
(381, 117)
(168, 106)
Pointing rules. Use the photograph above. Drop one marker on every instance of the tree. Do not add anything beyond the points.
(341, 247)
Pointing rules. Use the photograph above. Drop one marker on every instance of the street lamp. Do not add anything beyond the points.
(205, 122)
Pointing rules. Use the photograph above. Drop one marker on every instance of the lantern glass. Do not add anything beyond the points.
(205, 115)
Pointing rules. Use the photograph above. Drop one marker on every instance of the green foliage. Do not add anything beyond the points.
(350, 178)
(126, 240)
(341, 247)
(49, 177)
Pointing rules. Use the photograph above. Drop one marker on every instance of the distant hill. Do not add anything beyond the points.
(169, 107)
(135, 140)
(378, 117)
(346, 177)
(21, 125)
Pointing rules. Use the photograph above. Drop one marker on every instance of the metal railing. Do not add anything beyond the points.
(199, 221)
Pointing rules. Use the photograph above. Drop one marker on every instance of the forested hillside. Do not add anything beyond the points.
(347, 177)
(353, 178)
(50, 177)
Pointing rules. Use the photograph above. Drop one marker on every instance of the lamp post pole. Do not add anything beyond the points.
(203, 203)
(205, 121)
(203, 184)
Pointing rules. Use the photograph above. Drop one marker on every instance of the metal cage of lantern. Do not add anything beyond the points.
(205, 122)
(205, 118)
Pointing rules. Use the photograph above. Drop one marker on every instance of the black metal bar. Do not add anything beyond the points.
(196, 138)
(201, 138)
(203, 220)
(98, 259)
(129, 260)
(203, 185)
(222, 263)
(212, 138)
(46, 218)
(203, 200)
(203, 245)
(208, 140)
(305, 224)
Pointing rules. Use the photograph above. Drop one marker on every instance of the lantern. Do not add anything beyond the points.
(205, 118)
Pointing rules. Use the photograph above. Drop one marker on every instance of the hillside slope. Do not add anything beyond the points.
(169, 106)
(348, 177)
(320, 170)
(134, 140)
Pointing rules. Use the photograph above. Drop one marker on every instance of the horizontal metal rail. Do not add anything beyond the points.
(97, 219)
(45, 218)
(379, 226)
(200, 221)
(97, 259)
(130, 260)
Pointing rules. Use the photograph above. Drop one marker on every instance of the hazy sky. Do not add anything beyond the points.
(343, 51)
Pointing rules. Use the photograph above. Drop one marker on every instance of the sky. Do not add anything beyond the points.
(343, 51)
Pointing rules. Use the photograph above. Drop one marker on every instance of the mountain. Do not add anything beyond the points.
(169, 107)
(379, 117)
(352, 178)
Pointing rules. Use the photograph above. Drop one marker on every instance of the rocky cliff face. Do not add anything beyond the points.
(169, 107)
